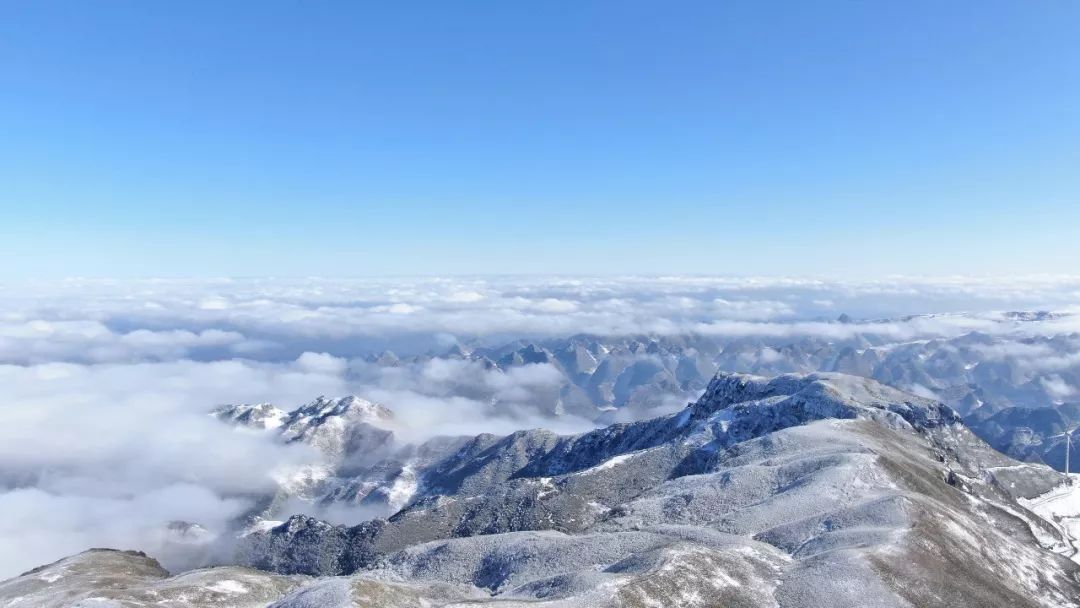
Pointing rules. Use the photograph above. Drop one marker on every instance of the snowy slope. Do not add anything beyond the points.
(1061, 508)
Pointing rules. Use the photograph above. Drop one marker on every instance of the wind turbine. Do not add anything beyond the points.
(1068, 444)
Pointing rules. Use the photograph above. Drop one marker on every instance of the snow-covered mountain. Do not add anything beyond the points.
(324, 423)
(801, 490)
(349, 433)
(262, 416)
(1014, 360)
(996, 366)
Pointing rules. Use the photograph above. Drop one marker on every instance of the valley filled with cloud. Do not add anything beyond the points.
(107, 385)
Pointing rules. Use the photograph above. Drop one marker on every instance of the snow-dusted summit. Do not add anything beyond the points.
(336, 427)
(262, 416)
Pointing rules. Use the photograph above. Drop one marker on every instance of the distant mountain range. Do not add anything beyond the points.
(978, 373)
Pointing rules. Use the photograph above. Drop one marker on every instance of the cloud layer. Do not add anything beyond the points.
(105, 385)
(161, 320)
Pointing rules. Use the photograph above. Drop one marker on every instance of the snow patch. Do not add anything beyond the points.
(229, 587)
(609, 463)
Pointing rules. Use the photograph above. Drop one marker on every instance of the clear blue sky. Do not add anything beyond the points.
(351, 138)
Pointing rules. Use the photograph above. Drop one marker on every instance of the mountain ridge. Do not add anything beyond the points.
(798, 490)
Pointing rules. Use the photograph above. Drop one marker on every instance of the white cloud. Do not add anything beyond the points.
(295, 314)
(39, 526)
(109, 453)
(42, 341)
(1057, 388)
(465, 297)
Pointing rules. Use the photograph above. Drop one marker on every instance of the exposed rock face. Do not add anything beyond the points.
(816, 490)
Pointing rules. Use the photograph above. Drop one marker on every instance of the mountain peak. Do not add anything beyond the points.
(799, 398)
(351, 406)
(257, 416)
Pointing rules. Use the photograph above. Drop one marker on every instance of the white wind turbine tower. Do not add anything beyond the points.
(1068, 445)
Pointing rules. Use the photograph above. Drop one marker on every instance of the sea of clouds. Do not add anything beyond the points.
(105, 385)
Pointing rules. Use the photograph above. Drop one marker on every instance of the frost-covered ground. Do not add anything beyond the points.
(1061, 507)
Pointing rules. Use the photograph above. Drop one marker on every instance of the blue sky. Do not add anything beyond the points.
(349, 138)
